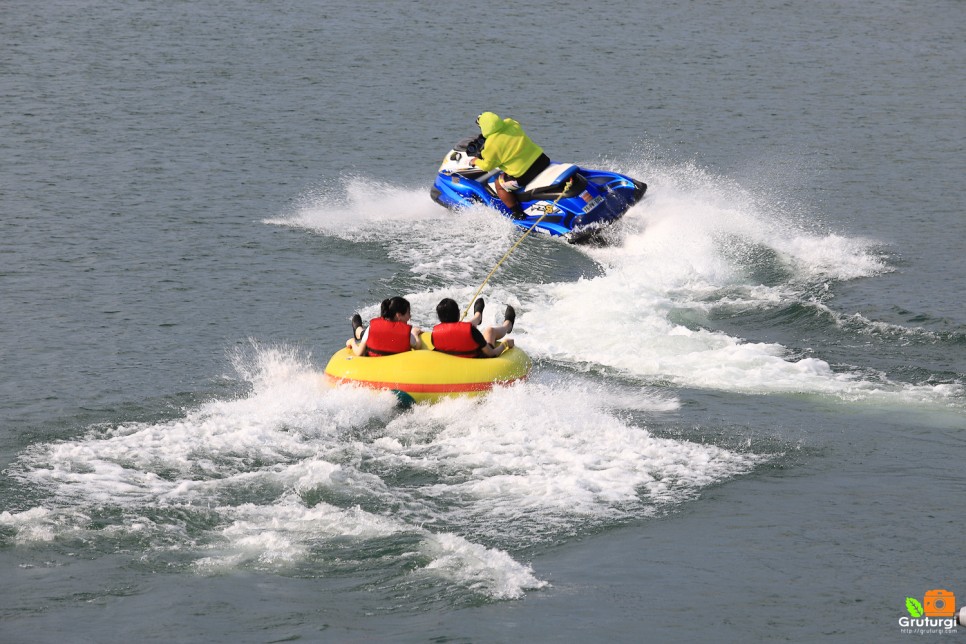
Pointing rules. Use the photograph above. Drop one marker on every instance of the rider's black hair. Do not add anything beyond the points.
(393, 306)
(448, 310)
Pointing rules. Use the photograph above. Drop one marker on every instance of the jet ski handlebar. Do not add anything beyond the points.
(489, 175)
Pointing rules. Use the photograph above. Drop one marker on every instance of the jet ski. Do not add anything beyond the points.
(564, 200)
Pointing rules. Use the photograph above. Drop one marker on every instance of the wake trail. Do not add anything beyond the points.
(697, 245)
(276, 479)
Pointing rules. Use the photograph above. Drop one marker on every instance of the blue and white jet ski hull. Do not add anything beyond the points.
(575, 202)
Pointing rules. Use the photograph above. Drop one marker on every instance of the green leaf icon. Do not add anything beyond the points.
(914, 607)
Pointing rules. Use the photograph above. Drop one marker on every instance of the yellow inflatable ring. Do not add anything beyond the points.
(428, 375)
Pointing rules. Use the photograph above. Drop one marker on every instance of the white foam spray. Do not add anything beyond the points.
(282, 472)
(410, 226)
(699, 243)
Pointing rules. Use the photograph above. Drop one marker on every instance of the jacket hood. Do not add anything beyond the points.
(490, 123)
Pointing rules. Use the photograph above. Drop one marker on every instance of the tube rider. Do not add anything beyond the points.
(387, 334)
(464, 339)
(508, 148)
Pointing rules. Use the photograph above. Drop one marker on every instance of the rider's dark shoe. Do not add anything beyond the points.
(478, 305)
(357, 328)
(510, 316)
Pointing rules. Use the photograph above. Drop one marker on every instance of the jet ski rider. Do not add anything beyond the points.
(508, 148)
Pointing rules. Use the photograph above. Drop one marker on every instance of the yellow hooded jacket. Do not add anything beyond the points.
(507, 146)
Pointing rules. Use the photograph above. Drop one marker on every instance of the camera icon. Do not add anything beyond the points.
(939, 603)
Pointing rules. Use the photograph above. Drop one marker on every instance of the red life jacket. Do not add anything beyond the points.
(386, 338)
(456, 338)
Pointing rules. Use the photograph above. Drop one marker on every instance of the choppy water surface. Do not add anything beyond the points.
(746, 410)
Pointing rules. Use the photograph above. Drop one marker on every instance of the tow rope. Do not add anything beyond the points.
(512, 248)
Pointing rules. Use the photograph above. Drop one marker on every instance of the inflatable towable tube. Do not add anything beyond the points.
(427, 375)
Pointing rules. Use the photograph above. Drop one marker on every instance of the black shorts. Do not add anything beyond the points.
(538, 166)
